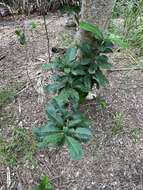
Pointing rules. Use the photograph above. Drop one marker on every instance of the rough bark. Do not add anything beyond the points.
(96, 12)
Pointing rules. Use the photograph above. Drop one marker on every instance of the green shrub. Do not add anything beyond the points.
(73, 79)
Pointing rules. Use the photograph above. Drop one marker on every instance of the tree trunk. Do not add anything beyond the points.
(96, 12)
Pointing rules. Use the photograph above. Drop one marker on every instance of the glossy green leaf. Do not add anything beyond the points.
(91, 28)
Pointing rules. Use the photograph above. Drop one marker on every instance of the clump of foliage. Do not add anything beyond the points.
(130, 34)
(64, 128)
(73, 79)
(44, 184)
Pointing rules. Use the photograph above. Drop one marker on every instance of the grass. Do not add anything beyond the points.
(136, 133)
(6, 96)
(127, 30)
(17, 148)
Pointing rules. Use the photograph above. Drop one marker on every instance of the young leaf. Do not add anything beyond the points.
(75, 148)
(44, 184)
(91, 28)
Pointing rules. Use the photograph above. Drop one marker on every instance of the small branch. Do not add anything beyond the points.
(47, 36)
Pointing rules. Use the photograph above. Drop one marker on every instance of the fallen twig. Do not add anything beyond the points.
(125, 69)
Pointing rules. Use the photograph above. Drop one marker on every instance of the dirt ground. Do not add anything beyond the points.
(113, 159)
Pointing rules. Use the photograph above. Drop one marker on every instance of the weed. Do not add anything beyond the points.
(44, 184)
(101, 103)
(17, 148)
(136, 133)
(118, 119)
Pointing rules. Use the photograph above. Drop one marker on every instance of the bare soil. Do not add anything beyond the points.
(111, 162)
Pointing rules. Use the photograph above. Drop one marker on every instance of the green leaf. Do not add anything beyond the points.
(74, 123)
(105, 66)
(78, 116)
(87, 82)
(67, 70)
(92, 69)
(74, 148)
(71, 54)
(77, 72)
(47, 129)
(106, 46)
(83, 133)
(56, 139)
(67, 93)
(91, 28)
(101, 59)
(53, 115)
(85, 61)
(102, 62)
(86, 49)
(101, 79)
(55, 87)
